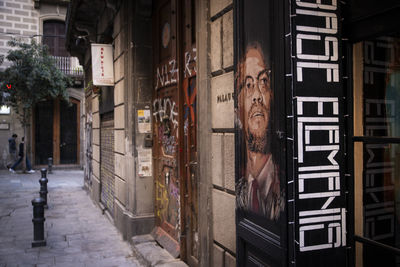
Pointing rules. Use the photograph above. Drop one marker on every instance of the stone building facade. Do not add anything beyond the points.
(25, 19)
(249, 154)
(129, 27)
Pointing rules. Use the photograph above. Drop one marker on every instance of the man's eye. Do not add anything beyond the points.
(263, 81)
(249, 85)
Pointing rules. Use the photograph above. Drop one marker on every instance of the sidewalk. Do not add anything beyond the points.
(77, 234)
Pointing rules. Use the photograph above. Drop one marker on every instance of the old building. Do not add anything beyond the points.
(248, 133)
(56, 128)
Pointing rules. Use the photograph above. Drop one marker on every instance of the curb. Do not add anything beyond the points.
(150, 253)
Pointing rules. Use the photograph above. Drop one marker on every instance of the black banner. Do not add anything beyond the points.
(320, 201)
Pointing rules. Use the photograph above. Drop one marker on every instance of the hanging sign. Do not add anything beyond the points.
(102, 64)
(320, 200)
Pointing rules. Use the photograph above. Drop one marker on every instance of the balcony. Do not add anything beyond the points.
(69, 66)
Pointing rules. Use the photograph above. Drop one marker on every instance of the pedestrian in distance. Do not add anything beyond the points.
(21, 156)
(12, 149)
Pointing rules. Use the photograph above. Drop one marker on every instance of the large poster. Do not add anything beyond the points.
(258, 190)
(260, 186)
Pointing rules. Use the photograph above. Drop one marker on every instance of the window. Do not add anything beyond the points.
(376, 123)
(54, 37)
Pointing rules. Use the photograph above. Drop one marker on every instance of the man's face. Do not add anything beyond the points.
(256, 96)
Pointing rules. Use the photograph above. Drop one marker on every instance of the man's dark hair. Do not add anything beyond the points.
(14, 135)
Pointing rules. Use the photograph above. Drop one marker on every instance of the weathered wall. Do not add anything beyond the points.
(222, 136)
(131, 38)
(216, 132)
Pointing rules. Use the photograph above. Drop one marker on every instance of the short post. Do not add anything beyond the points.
(43, 186)
(38, 223)
(50, 164)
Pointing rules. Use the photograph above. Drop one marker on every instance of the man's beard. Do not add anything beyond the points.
(258, 144)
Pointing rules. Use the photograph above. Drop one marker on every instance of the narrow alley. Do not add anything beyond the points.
(76, 232)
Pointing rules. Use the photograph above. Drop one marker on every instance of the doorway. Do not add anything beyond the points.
(56, 131)
(174, 129)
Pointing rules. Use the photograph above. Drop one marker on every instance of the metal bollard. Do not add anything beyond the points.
(50, 164)
(38, 223)
(43, 186)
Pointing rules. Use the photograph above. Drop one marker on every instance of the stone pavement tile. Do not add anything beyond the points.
(46, 260)
(11, 251)
(19, 259)
(114, 261)
(57, 244)
(76, 259)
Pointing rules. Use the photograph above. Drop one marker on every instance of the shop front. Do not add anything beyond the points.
(317, 88)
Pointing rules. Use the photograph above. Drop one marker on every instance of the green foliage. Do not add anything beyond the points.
(32, 77)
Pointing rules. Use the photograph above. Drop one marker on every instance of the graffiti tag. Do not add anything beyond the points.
(162, 199)
(165, 107)
(189, 58)
(167, 74)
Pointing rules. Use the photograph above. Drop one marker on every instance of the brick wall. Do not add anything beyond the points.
(18, 18)
(222, 139)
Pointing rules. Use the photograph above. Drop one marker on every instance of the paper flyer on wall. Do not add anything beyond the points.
(145, 162)
(144, 124)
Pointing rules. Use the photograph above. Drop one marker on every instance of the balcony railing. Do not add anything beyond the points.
(69, 66)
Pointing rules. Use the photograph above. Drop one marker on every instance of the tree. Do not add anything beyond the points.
(32, 77)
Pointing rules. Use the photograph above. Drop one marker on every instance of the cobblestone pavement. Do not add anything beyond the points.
(76, 232)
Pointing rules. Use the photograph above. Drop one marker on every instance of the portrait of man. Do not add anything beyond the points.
(259, 189)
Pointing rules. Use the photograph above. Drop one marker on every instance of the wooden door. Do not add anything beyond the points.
(56, 131)
(69, 131)
(43, 132)
(166, 128)
(175, 125)
(189, 113)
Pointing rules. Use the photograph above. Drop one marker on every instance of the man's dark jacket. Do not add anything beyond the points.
(12, 146)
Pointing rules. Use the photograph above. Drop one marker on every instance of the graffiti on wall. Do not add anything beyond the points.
(165, 109)
(190, 93)
(89, 153)
(168, 198)
(190, 63)
(167, 74)
(165, 112)
(162, 200)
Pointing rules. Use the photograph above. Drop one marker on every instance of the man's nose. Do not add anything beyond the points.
(257, 96)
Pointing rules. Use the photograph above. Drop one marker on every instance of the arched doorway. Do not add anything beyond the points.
(56, 131)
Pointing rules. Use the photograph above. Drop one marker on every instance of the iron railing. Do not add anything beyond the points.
(69, 66)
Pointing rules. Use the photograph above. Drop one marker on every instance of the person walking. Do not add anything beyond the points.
(21, 156)
(12, 149)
